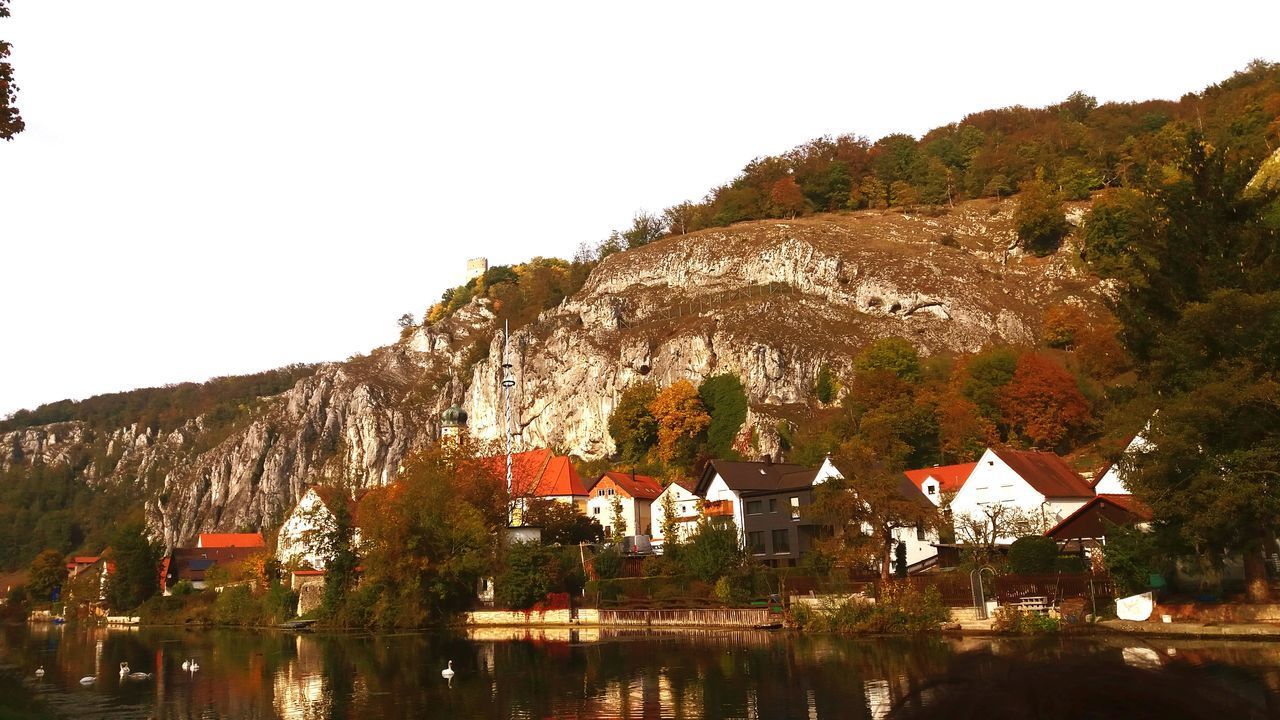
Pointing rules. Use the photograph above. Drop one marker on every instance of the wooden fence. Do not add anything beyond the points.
(1054, 587)
(720, 617)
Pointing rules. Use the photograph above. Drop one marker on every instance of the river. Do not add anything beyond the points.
(585, 673)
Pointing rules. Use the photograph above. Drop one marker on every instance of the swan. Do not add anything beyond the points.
(447, 672)
(88, 680)
(186, 664)
(194, 666)
(40, 671)
(124, 669)
(139, 676)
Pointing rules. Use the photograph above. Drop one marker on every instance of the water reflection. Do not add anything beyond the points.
(518, 673)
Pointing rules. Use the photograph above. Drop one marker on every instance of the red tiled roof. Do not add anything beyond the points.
(539, 473)
(1047, 473)
(950, 477)
(690, 485)
(642, 487)
(307, 573)
(1130, 503)
(228, 540)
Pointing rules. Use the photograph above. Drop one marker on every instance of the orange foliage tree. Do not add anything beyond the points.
(681, 418)
(787, 197)
(1043, 405)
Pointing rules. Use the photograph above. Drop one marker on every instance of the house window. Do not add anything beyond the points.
(596, 509)
(755, 507)
(773, 505)
(795, 508)
(781, 542)
(755, 542)
(920, 531)
(933, 489)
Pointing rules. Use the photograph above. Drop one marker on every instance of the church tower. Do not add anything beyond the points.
(453, 422)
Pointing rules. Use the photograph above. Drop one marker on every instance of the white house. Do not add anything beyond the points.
(939, 480)
(298, 545)
(1039, 484)
(679, 494)
(632, 494)
(1111, 480)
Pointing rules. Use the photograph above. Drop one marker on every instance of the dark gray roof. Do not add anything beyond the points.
(757, 477)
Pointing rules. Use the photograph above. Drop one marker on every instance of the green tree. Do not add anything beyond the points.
(712, 550)
(726, 402)
(561, 523)
(824, 387)
(632, 425)
(47, 574)
(618, 521)
(337, 546)
(137, 563)
(530, 571)
(894, 354)
(1039, 218)
(1033, 554)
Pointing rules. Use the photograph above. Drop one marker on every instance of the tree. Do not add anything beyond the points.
(632, 425)
(561, 523)
(336, 546)
(618, 523)
(866, 507)
(1040, 220)
(681, 419)
(1033, 554)
(712, 550)
(10, 120)
(406, 320)
(531, 571)
(726, 402)
(645, 228)
(46, 575)
(671, 539)
(681, 219)
(1043, 405)
(983, 377)
(992, 523)
(824, 386)
(137, 563)
(786, 197)
(894, 354)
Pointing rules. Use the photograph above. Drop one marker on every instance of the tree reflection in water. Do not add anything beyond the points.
(519, 673)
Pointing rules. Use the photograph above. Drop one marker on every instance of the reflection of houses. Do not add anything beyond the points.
(301, 536)
(1039, 484)
(679, 495)
(227, 551)
(940, 480)
(766, 500)
(633, 494)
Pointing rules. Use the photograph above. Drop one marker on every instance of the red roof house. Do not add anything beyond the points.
(541, 474)
(935, 481)
(230, 540)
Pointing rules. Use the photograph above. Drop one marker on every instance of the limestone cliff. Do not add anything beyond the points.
(771, 301)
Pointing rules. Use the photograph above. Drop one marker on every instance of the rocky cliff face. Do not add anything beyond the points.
(771, 301)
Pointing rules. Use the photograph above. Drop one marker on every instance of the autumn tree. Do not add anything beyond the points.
(866, 507)
(632, 424)
(681, 420)
(681, 219)
(561, 523)
(10, 120)
(1043, 405)
(645, 228)
(46, 575)
(786, 197)
(1039, 218)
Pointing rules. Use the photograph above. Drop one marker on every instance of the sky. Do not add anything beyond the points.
(213, 189)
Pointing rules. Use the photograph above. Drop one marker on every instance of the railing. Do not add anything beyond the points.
(720, 617)
(1011, 589)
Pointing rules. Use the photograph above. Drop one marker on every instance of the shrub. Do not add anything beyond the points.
(1033, 554)
(1040, 219)
(1015, 621)
(899, 609)
(183, 588)
(607, 563)
(531, 571)
(1132, 557)
(711, 551)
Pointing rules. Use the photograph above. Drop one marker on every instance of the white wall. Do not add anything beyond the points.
(719, 490)
(1112, 482)
(686, 505)
(297, 543)
(994, 482)
(634, 512)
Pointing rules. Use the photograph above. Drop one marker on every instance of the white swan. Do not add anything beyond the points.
(124, 669)
(194, 666)
(447, 672)
(40, 671)
(139, 676)
(186, 664)
(88, 680)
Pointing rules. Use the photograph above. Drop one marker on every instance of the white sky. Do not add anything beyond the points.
(217, 188)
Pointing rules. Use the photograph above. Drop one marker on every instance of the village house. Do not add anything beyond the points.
(228, 551)
(542, 474)
(1110, 480)
(1037, 488)
(299, 542)
(940, 480)
(634, 494)
(1085, 530)
(679, 495)
(766, 501)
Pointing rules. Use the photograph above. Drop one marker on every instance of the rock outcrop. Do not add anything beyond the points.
(773, 302)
